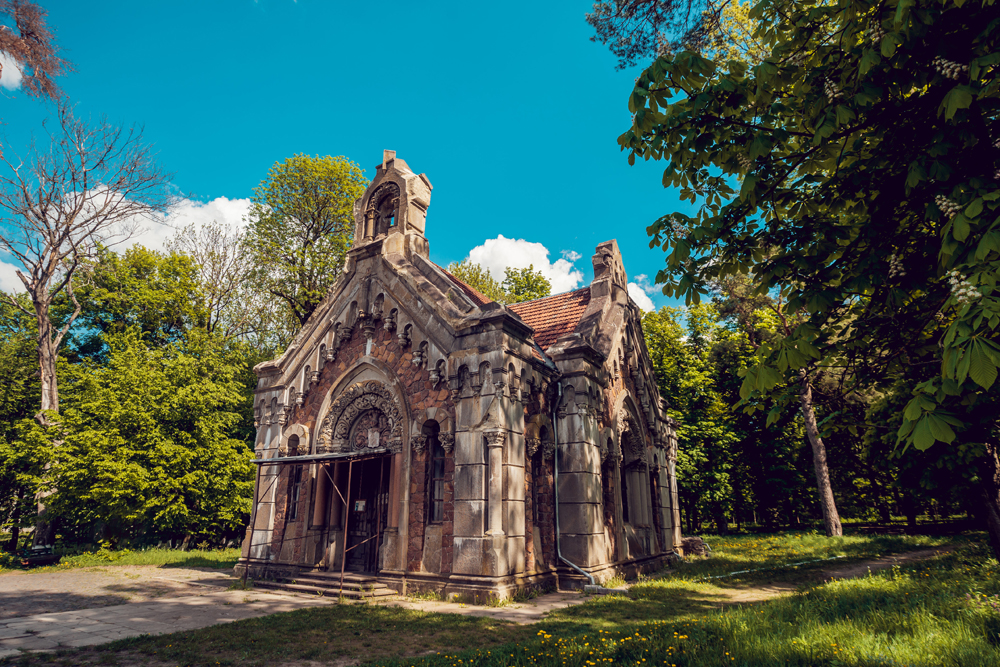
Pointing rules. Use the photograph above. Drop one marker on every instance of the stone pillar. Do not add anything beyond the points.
(494, 495)
(322, 496)
(675, 504)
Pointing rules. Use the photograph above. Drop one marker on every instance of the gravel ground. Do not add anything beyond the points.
(28, 593)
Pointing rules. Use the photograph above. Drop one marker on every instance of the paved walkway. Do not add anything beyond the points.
(86, 627)
(74, 608)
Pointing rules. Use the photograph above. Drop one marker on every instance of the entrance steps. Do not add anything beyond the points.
(327, 584)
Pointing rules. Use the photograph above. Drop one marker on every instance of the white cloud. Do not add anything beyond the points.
(9, 282)
(154, 234)
(501, 252)
(638, 294)
(225, 211)
(571, 255)
(642, 281)
(11, 76)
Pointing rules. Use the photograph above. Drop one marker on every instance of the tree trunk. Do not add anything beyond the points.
(831, 520)
(15, 529)
(989, 486)
(44, 535)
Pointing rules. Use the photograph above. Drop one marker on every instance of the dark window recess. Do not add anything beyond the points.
(624, 477)
(536, 489)
(435, 505)
(295, 484)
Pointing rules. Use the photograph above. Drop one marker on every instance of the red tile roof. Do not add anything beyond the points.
(477, 297)
(553, 316)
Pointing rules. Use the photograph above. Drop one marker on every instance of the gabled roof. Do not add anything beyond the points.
(477, 297)
(552, 317)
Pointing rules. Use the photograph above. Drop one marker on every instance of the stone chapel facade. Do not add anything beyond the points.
(454, 444)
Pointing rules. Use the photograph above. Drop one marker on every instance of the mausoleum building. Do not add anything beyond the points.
(450, 443)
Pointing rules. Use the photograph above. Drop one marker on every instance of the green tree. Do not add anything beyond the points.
(301, 227)
(864, 148)
(525, 284)
(159, 293)
(477, 277)
(20, 470)
(147, 446)
(518, 284)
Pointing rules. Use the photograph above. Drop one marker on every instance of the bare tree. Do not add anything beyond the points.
(237, 308)
(89, 187)
(31, 45)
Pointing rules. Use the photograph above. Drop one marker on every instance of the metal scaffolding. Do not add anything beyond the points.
(351, 458)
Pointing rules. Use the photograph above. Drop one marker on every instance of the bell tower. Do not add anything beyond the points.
(391, 216)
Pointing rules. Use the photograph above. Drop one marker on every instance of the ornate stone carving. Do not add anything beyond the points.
(447, 441)
(532, 445)
(420, 355)
(313, 379)
(352, 403)
(404, 336)
(548, 449)
(283, 416)
(438, 373)
(495, 438)
(389, 322)
(419, 443)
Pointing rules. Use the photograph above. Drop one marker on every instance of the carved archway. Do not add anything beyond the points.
(365, 415)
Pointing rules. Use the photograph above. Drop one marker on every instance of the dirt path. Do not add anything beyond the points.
(765, 590)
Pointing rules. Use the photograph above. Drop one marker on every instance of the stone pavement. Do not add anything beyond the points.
(84, 607)
(87, 627)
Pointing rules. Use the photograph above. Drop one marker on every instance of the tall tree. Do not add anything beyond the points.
(301, 227)
(29, 43)
(236, 309)
(865, 148)
(89, 188)
(525, 284)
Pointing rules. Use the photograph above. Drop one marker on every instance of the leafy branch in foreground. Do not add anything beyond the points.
(866, 147)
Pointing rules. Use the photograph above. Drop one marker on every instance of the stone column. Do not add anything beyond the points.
(495, 441)
(322, 496)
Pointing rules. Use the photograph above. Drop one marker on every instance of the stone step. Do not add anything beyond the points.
(329, 591)
(334, 583)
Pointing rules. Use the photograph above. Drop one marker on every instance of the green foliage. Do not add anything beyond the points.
(730, 465)
(518, 284)
(525, 284)
(477, 277)
(19, 396)
(865, 163)
(144, 444)
(156, 292)
(301, 227)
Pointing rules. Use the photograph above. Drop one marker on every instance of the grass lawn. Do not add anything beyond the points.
(220, 558)
(914, 615)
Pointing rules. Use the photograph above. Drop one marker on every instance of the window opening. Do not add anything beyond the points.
(436, 473)
(295, 483)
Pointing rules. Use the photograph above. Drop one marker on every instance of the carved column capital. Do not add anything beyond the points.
(447, 441)
(419, 443)
(495, 438)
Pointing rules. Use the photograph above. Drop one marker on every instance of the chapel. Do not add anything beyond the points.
(422, 434)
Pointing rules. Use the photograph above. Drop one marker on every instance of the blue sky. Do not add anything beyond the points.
(512, 112)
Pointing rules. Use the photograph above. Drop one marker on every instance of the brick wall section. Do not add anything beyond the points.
(420, 395)
(418, 516)
(547, 516)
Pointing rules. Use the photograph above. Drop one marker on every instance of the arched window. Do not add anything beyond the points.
(293, 445)
(435, 473)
